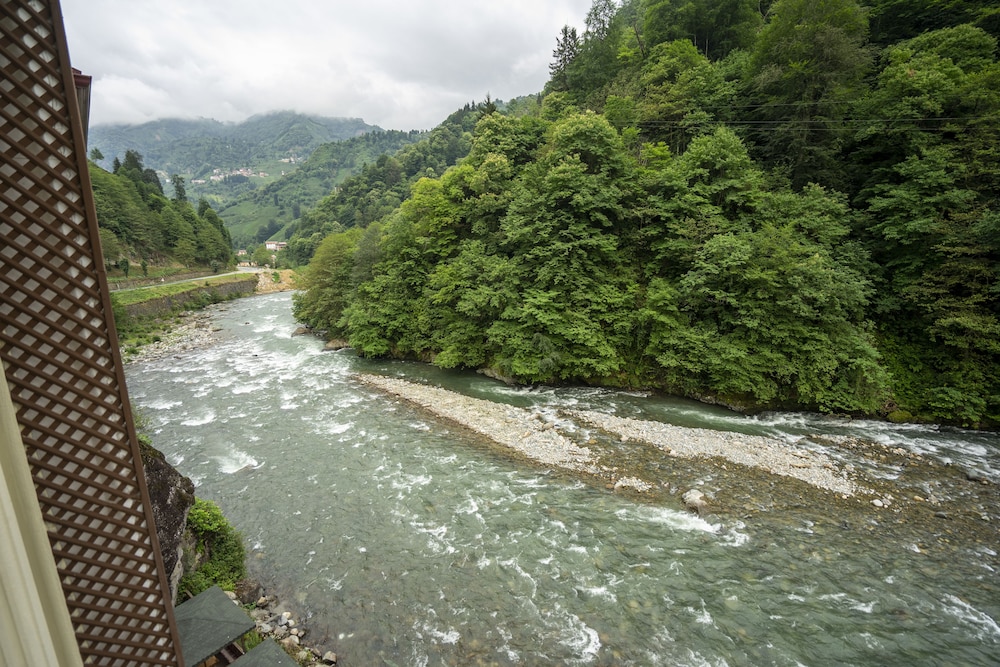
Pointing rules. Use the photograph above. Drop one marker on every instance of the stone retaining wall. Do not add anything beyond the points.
(167, 304)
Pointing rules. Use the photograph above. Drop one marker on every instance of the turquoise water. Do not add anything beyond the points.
(410, 542)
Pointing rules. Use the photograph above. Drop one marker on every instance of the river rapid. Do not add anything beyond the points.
(408, 540)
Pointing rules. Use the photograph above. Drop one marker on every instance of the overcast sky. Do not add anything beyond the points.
(398, 64)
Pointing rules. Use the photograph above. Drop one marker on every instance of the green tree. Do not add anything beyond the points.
(572, 311)
(567, 48)
(596, 62)
(714, 27)
(390, 314)
(180, 191)
(685, 94)
(326, 284)
(261, 256)
(808, 63)
(710, 189)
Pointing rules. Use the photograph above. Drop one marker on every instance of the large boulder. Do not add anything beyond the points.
(695, 500)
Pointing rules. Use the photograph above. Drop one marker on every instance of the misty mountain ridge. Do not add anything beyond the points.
(197, 148)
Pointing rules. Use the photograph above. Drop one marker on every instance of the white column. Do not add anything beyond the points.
(35, 626)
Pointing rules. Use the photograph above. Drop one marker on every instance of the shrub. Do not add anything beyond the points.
(222, 546)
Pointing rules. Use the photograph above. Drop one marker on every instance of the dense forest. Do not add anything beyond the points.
(140, 225)
(381, 186)
(766, 204)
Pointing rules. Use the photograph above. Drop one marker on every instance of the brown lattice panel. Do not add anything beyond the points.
(61, 358)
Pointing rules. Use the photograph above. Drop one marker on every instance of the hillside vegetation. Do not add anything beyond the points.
(143, 230)
(380, 186)
(199, 149)
(782, 204)
(266, 211)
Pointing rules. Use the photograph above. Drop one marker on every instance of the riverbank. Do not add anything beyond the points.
(190, 330)
(193, 329)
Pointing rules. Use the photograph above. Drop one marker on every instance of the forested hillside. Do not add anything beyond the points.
(381, 185)
(778, 204)
(200, 149)
(140, 226)
(261, 213)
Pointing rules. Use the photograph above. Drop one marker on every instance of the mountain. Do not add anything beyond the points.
(220, 160)
(261, 213)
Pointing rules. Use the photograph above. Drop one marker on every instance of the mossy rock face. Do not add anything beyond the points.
(171, 496)
(899, 417)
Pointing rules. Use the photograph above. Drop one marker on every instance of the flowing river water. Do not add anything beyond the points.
(407, 540)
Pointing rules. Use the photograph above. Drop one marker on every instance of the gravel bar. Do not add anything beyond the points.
(504, 424)
(519, 429)
(769, 454)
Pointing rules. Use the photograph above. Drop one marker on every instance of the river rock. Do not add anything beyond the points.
(330, 658)
(632, 483)
(302, 331)
(695, 500)
(336, 344)
(974, 475)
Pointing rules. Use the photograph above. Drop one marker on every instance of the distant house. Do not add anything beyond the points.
(275, 246)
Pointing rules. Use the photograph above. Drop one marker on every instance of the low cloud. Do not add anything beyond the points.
(397, 65)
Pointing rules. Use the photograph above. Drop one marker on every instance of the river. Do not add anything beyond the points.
(409, 541)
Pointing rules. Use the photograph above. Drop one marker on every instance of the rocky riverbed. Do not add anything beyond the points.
(191, 330)
(820, 481)
(551, 442)
(274, 621)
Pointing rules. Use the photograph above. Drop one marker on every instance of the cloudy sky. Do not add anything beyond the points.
(398, 64)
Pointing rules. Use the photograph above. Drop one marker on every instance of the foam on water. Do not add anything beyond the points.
(946, 444)
(205, 417)
(734, 535)
(162, 404)
(333, 428)
(985, 627)
(684, 521)
(602, 592)
(436, 535)
(248, 386)
(236, 460)
(407, 482)
(581, 639)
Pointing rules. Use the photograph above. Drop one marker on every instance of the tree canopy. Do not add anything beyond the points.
(138, 223)
(779, 204)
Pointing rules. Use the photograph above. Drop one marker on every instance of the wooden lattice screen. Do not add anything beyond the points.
(61, 359)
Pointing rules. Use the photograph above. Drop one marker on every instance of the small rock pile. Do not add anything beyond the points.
(284, 628)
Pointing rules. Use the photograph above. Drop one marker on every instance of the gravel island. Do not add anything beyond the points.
(523, 431)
